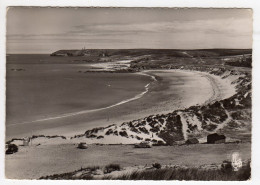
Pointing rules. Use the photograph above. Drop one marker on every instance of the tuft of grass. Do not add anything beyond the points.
(157, 165)
(70, 175)
(93, 168)
(198, 174)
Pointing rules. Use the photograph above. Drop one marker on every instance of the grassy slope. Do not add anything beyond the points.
(224, 173)
(188, 174)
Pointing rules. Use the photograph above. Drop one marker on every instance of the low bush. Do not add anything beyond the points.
(157, 165)
(226, 166)
(11, 148)
(123, 134)
(93, 168)
(111, 167)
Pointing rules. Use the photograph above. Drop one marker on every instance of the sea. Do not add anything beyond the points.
(41, 87)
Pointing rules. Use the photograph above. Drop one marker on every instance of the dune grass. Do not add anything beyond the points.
(197, 174)
(187, 174)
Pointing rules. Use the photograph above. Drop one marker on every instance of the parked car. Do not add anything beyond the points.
(82, 145)
(11, 148)
(143, 144)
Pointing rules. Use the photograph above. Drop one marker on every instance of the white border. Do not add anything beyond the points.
(254, 4)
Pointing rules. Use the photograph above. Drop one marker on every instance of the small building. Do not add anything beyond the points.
(216, 138)
(26, 141)
(192, 141)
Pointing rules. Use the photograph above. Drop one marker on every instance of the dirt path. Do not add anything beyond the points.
(34, 162)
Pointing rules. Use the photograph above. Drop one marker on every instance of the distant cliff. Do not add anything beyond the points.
(82, 52)
(152, 52)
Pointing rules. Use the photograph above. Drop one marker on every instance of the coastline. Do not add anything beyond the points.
(67, 148)
(146, 89)
(213, 89)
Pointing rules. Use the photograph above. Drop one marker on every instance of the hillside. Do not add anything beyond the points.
(153, 52)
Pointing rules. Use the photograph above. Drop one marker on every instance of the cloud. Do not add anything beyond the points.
(229, 26)
(220, 33)
(222, 26)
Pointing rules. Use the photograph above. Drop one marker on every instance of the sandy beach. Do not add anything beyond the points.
(49, 156)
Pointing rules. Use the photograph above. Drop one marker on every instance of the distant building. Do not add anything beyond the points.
(26, 141)
(216, 138)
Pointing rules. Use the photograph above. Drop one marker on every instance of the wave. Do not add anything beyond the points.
(94, 110)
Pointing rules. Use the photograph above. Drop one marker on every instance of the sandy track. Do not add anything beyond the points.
(34, 162)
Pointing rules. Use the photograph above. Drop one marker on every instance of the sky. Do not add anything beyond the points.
(45, 30)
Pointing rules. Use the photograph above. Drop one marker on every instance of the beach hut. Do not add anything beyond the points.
(26, 141)
(216, 138)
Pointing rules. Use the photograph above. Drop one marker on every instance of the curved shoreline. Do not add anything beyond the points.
(220, 88)
(94, 110)
(162, 108)
(49, 148)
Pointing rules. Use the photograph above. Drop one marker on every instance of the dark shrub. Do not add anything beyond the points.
(210, 127)
(110, 131)
(123, 134)
(112, 167)
(139, 138)
(161, 121)
(245, 172)
(87, 177)
(226, 166)
(144, 130)
(157, 165)
(93, 168)
(91, 136)
(133, 129)
(155, 129)
(11, 148)
(149, 119)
